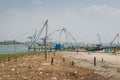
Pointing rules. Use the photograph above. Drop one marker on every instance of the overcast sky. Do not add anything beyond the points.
(82, 18)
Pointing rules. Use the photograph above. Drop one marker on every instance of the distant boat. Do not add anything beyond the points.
(94, 47)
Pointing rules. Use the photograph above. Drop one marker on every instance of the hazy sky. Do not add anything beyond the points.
(82, 18)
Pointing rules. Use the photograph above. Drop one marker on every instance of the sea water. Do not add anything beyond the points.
(4, 49)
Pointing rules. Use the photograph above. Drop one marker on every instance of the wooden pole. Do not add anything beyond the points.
(63, 59)
(52, 60)
(14, 45)
(73, 63)
(77, 50)
(94, 61)
(46, 39)
(102, 60)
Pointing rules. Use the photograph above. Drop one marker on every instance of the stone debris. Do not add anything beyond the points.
(54, 78)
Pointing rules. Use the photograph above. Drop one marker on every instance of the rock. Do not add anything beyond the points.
(75, 72)
(81, 78)
(71, 74)
(29, 66)
(2, 65)
(25, 78)
(54, 78)
(39, 69)
(17, 72)
(13, 69)
(118, 70)
(40, 73)
(105, 66)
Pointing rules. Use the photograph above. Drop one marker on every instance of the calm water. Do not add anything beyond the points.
(13, 48)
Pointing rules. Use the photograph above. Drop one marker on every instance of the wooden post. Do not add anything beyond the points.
(63, 59)
(52, 60)
(77, 50)
(94, 61)
(46, 39)
(45, 50)
(73, 63)
(102, 60)
(14, 44)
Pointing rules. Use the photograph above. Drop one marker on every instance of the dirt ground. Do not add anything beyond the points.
(37, 68)
(107, 64)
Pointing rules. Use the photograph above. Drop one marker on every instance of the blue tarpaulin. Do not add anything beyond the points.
(58, 46)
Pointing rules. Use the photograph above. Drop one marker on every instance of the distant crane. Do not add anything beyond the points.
(114, 39)
(99, 39)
